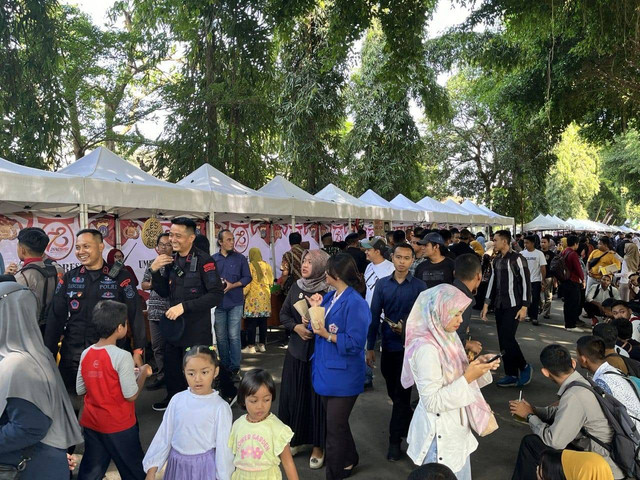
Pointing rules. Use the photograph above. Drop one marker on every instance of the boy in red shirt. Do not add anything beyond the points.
(107, 377)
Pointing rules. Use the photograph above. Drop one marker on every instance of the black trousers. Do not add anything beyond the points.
(122, 447)
(572, 303)
(250, 326)
(340, 446)
(531, 450)
(507, 325)
(534, 308)
(592, 310)
(391, 368)
(173, 374)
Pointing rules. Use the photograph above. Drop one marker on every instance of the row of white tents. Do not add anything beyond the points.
(554, 223)
(102, 182)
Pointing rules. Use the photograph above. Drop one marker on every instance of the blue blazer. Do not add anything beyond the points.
(338, 368)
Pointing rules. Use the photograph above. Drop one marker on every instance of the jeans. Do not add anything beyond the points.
(227, 327)
(507, 324)
(432, 457)
(157, 344)
(122, 447)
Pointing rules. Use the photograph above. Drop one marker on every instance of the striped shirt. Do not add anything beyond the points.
(510, 283)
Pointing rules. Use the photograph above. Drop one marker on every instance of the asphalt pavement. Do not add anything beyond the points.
(496, 454)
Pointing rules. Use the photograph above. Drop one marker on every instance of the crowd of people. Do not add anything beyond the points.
(72, 353)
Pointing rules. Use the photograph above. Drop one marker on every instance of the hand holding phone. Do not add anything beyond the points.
(493, 359)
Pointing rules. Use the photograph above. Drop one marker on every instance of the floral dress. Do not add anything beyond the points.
(257, 295)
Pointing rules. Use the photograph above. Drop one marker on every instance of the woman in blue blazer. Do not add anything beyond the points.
(338, 361)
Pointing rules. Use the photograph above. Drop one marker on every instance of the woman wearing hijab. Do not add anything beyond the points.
(257, 301)
(630, 264)
(116, 255)
(300, 406)
(451, 404)
(36, 417)
(572, 465)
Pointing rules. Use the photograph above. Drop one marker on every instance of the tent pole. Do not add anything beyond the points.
(293, 223)
(211, 232)
(84, 216)
(272, 245)
(349, 225)
(116, 219)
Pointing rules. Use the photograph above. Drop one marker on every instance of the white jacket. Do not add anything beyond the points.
(440, 412)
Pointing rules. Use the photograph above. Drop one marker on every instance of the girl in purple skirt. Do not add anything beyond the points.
(192, 439)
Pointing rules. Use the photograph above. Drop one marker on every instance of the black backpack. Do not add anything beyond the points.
(559, 268)
(625, 443)
(48, 271)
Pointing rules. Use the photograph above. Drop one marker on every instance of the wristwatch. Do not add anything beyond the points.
(529, 416)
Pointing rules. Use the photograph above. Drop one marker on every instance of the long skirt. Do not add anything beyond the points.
(191, 467)
(300, 406)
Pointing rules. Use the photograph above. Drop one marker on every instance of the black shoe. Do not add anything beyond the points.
(235, 378)
(394, 453)
(161, 406)
(547, 317)
(157, 385)
(347, 472)
(535, 322)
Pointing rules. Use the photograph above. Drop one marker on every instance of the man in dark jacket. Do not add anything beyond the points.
(353, 249)
(191, 282)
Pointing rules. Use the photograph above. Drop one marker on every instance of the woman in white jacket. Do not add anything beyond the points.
(451, 404)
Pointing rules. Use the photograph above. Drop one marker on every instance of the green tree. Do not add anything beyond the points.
(384, 148)
(310, 107)
(31, 110)
(573, 181)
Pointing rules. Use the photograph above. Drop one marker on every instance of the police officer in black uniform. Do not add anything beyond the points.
(77, 293)
(193, 286)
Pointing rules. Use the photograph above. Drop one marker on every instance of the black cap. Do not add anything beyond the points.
(433, 237)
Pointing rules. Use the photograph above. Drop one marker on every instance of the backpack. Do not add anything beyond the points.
(633, 381)
(625, 443)
(48, 271)
(610, 290)
(559, 268)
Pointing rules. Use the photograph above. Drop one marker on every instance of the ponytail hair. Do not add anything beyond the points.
(204, 350)
(342, 266)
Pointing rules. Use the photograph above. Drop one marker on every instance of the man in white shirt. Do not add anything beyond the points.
(591, 357)
(596, 300)
(377, 268)
(538, 271)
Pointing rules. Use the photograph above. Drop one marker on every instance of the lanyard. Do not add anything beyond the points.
(333, 301)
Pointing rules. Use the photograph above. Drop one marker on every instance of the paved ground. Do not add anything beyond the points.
(494, 458)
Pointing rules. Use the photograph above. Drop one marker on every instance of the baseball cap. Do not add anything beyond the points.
(377, 243)
(433, 237)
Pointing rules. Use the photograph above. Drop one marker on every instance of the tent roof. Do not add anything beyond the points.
(229, 198)
(25, 188)
(473, 217)
(402, 202)
(305, 204)
(399, 214)
(358, 208)
(114, 185)
(438, 212)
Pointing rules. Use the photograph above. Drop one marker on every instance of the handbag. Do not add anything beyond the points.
(9, 472)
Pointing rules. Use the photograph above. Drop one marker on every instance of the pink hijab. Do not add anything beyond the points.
(433, 311)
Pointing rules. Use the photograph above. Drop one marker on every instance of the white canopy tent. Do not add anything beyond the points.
(304, 204)
(494, 218)
(474, 218)
(398, 214)
(31, 189)
(503, 218)
(113, 185)
(589, 226)
(359, 208)
(400, 201)
(439, 212)
(541, 222)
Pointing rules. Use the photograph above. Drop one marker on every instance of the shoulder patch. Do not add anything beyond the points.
(209, 266)
(125, 282)
(129, 292)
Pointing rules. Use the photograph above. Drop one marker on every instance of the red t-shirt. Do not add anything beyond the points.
(106, 375)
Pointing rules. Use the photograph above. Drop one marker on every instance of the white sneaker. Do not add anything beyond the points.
(250, 349)
(261, 348)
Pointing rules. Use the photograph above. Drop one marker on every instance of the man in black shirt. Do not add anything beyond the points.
(353, 249)
(437, 269)
(462, 246)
